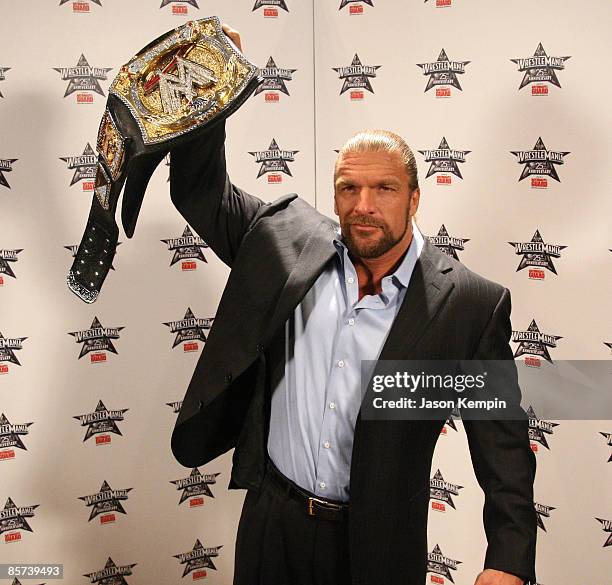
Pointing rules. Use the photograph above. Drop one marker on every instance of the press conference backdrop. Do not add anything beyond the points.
(506, 106)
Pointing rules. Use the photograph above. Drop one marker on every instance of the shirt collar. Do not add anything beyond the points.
(403, 272)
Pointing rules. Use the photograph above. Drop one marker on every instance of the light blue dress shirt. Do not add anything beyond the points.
(315, 406)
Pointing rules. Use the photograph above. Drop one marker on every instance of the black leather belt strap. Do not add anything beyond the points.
(313, 505)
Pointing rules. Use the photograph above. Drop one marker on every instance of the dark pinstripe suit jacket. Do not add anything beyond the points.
(276, 251)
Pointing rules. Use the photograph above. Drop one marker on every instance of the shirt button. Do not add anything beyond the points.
(326, 445)
(332, 405)
(341, 364)
(322, 484)
(351, 321)
(350, 280)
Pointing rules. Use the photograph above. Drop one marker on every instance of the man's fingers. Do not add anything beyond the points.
(233, 34)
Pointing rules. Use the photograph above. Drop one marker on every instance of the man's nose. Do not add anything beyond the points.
(365, 203)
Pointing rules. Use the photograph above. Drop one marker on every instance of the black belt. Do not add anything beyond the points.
(314, 506)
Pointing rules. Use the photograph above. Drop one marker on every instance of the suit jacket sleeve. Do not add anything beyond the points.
(201, 190)
(504, 463)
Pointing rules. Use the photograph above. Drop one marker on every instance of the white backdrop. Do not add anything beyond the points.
(47, 469)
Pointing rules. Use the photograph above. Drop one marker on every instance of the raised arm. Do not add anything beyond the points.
(204, 195)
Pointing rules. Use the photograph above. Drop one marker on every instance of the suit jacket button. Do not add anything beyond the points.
(260, 347)
(228, 377)
(200, 405)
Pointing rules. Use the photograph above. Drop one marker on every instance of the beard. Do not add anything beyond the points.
(370, 247)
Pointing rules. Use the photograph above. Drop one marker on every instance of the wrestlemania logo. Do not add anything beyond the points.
(14, 519)
(448, 244)
(537, 255)
(101, 422)
(442, 74)
(186, 248)
(535, 343)
(11, 437)
(6, 166)
(111, 574)
(84, 166)
(7, 256)
(8, 347)
(444, 160)
(189, 330)
(97, 339)
(106, 502)
(274, 80)
(194, 486)
(541, 162)
(198, 559)
(538, 429)
(356, 77)
(540, 70)
(274, 161)
(542, 511)
(440, 565)
(83, 78)
(442, 492)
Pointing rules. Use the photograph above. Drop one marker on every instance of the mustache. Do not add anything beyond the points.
(365, 220)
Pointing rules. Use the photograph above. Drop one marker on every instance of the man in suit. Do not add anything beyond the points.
(335, 498)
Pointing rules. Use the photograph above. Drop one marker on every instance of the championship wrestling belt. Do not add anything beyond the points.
(176, 87)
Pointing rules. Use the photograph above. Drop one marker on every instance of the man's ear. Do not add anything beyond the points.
(335, 205)
(415, 197)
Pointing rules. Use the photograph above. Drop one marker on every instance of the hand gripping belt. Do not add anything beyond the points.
(176, 87)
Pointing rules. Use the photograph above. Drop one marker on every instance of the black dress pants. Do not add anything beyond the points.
(279, 544)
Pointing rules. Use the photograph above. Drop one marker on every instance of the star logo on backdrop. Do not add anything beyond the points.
(537, 253)
(276, 3)
(540, 68)
(175, 406)
(608, 438)
(6, 166)
(10, 434)
(3, 70)
(440, 565)
(84, 165)
(8, 347)
(98, 2)
(274, 160)
(448, 244)
(274, 78)
(443, 490)
(7, 256)
(111, 574)
(534, 342)
(443, 71)
(195, 485)
(608, 344)
(444, 159)
(344, 3)
(186, 247)
(193, 3)
(73, 251)
(14, 518)
(540, 161)
(101, 420)
(538, 429)
(356, 75)
(189, 328)
(18, 582)
(606, 526)
(97, 338)
(198, 557)
(105, 501)
(542, 512)
(83, 77)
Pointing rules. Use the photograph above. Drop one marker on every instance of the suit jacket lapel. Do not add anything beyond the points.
(427, 290)
(317, 251)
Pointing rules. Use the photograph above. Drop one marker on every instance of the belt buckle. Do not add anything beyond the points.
(322, 503)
